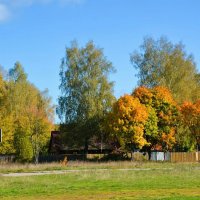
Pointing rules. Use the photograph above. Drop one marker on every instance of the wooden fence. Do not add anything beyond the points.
(137, 156)
(185, 156)
(172, 156)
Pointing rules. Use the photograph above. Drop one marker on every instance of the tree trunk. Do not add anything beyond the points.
(132, 158)
(86, 146)
(149, 153)
(37, 158)
(132, 151)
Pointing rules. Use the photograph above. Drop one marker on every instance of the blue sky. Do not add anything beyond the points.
(36, 32)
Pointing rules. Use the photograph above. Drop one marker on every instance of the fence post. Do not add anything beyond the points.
(197, 155)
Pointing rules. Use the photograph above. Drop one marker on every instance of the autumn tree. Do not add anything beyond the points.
(31, 112)
(162, 63)
(191, 121)
(127, 121)
(160, 127)
(22, 139)
(86, 92)
(41, 123)
(151, 133)
(6, 120)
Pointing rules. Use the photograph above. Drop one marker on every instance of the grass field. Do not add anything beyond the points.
(139, 181)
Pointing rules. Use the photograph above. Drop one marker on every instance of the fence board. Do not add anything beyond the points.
(185, 156)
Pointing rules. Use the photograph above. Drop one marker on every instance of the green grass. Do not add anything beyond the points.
(163, 181)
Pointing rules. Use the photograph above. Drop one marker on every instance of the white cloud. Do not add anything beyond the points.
(4, 12)
(67, 2)
(7, 7)
(28, 2)
(31, 2)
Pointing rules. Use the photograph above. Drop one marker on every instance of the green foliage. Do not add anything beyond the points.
(17, 73)
(162, 63)
(23, 146)
(151, 125)
(184, 139)
(86, 91)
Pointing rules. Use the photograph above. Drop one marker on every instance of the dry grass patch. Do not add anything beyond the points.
(17, 167)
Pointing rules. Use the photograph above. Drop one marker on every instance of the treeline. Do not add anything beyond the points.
(26, 116)
(163, 112)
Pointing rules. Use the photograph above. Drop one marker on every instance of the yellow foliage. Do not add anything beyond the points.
(127, 119)
(169, 139)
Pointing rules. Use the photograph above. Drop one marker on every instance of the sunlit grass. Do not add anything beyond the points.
(161, 181)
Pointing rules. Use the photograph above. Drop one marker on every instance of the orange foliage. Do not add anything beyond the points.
(169, 139)
(161, 101)
(131, 115)
(144, 94)
(191, 117)
(164, 94)
(191, 112)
